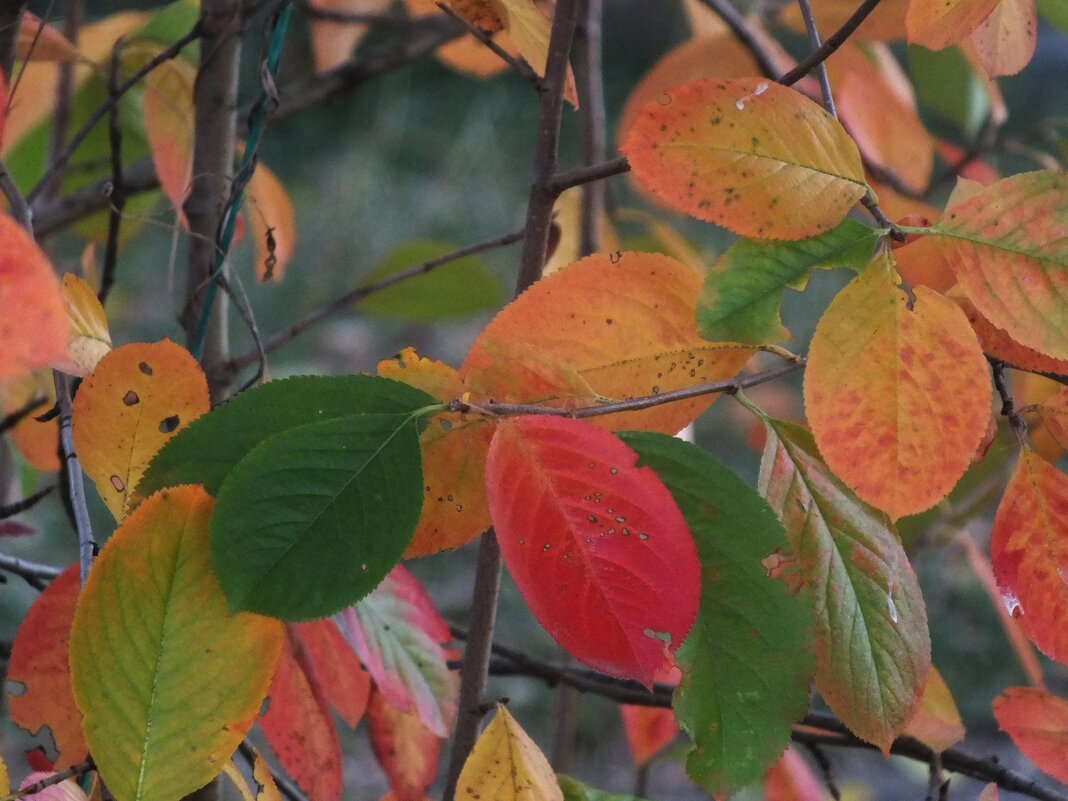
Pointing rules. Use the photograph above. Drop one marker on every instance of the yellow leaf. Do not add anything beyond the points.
(529, 23)
(168, 680)
(937, 723)
(136, 399)
(89, 336)
(272, 224)
(755, 157)
(5, 781)
(506, 765)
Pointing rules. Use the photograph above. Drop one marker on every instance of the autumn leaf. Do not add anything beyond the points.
(749, 656)
(937, 723)
(37, 441)
(1007, 248)
(1000, 345)
(398, 634)
(791, 779)
(936, 24)
(39, 662)
(40, 42)
(596, 544)
(168, 117)
(1005, 41)
(333, 667)
(506, 765)
(89, 336)
(649, 729)
(332, 44)
(1037, 722)
(405, 748)
(151, 631)
(755, 157)
(897, 394)
(873, 651)
(33, 319)
(1028, 549)
(299, 728)
(138, 397)
(272, 223)
(885, 23)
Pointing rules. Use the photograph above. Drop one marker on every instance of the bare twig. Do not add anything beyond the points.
(20, 506)
(118, 185)
(12, 419)
(1008, 407)
(35, 574)
(64, 97)
(517, 64)
(590, 84)
(824, 764)
(10, 20)
(75, 481)
(830, 44)
(20, 209)
(821, 68)
(740, 28)
(584, 175)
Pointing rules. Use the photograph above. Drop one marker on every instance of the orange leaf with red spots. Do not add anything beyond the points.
(135, 400)
(39, 662)
(1037, 722)
(751, 155)
(597, 546)
(1029, 551)
(405, 748)
(898, 398)
(33, 317)
(299, 727)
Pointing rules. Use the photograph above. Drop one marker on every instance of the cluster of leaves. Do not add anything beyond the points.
(259, 543)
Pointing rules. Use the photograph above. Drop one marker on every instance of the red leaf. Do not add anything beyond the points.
(1037, 722)
(597, 545)
(791, 779)
(405, 748)
(649, 729)
(335, 668)
(39, 661)
(300, 730)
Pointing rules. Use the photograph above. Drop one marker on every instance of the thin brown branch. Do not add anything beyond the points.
(13, 418)
(1008, 406)
(75, 770)
(10, 21)
(584, 175)
(821, 68)
(345, 302)
(75, 481)
(20, 209)
(118, 184)
(27, 503)
(28, 570)
(830, 44)
(589, 79)
(517, 64)
(740, 28)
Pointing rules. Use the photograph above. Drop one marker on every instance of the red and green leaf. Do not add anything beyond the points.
(1037, 722)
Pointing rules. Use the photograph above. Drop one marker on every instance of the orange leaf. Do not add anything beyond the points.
(300, 730)
(606, 327)
(936, 24)
(39, 662)
(898, 398)
(40, 42)
(33, 320)
(168, 115)
(404, 747)
(937, 723)
(135, 400)
(885, 23)
(750, 155)
(791, 779)
(999, 344)
(37, 442)
(89, 336)
(332, 42)
(272, 223)
(650, 729)
(1029, 549)
(334, 667)
(1005, 41)
(1037, 722)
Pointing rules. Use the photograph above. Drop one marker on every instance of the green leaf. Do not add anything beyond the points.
(748, 663)
(574, 790)
(743, 291)
(873, 651)
(947, 85)
(1055, 12)
(312, 519)
(455, 289)
(208, 449)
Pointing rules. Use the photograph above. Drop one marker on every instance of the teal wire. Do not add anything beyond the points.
(248, 164)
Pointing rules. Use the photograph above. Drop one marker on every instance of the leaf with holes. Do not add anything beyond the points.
(398, 634)
(206, 452)
(1007, 247)
(152, 631)
(742, 294)
(596, 544)
(1029, 551)
(405, 748)
(312, 519)
(748, 663)
(33, 320)
(506, 765)
(39, 662)
(753, 156)
(1037, 722)
(898, 395)
(135, 400)
(873, 652)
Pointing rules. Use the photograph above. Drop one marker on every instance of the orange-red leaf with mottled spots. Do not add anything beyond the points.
(898, 398)
(597, 546)
(1037, 722)
(1000, 345)
(1029, 551)
(751, 155)
(334, 667)
(33, 316)
(405, 748)
(135, 400)
(39, 663)
(1007, 246)
(299, 728)
(936, 24)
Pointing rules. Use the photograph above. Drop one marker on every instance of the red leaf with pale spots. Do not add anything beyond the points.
(1037, 721)
(597, 546)
(1029, 551)
(898, 397)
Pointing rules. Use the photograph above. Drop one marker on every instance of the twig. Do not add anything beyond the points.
(740, 28)
(27, 569)
(75, 770)
(75, 481)
(18, 507)
(359, 293)
(62, 157)
(729, 386)
(10, 20)
(118, 185)
(830, 44)
(517, 64)
(936, 779)
(590, 85)
(12, 419)
(821, 68)
(73, 11)
(584, 175)
(826, 769)
(20, 209)
(1008, 407)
